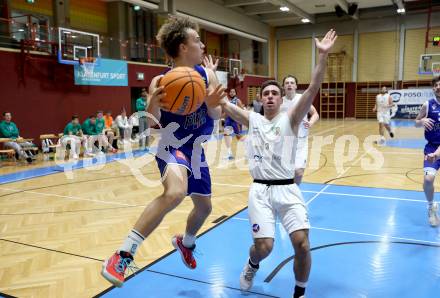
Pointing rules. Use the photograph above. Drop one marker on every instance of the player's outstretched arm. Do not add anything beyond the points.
(155, 94)
(217, 99)
(298, 111)
(314, 116)
(235, 112)
(422, 120)
(215, 90)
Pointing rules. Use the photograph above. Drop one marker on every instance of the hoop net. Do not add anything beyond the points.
(87, 65)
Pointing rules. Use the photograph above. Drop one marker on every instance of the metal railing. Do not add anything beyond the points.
(32, 33)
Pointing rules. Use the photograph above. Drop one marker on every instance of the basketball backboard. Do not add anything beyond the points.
(77, 45)
(429, 63)
(234, 67)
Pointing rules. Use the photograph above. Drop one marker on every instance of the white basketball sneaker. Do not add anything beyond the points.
(434, 220)
(247, 277)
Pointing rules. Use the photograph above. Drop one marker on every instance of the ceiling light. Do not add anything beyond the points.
(284, 8)
(136, 7)
(401, 10)
(305, 20)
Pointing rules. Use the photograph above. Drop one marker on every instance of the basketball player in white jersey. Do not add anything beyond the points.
(290, 84)
(383, 106)
(271, 144)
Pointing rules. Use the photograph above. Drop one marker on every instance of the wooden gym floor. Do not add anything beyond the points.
(56, 229)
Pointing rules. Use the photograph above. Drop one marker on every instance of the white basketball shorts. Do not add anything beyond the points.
(384, 118)
(266, 203)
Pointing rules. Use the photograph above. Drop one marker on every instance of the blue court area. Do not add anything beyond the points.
(69, 166)
(411, 143)
(366, 242)
(402, 122)
(80, 164)
(406, 143)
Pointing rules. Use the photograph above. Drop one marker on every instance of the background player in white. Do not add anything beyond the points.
(429, 118)
(271, 143)
(383, 106)
(290, 85)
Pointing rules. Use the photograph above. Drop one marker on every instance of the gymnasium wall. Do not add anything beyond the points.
(344, 44)
(378, 48)
(378, 56)
(90, 16)
(295, 57)
(213, 43)
(44, 7)
(42, 97)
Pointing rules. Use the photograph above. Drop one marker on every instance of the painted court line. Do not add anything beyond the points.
(358, 233)
(340, 175)
(375, 235)
(66, 197)
(372, 197)
(336, 193)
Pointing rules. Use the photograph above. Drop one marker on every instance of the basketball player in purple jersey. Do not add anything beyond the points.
(232, 126)
(429, 118)
(180, 40)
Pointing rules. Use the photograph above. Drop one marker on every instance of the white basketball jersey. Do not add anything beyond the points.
(382, 103)
(286, 105)
(270, 144)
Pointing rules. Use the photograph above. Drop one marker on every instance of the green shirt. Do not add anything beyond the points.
(89, 128)
(72, 129)
(141, 104)
(9, 130)
(99, 125)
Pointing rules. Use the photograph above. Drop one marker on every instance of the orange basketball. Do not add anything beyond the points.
(185, 89)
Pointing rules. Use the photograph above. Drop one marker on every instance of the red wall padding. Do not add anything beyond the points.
(41, 94)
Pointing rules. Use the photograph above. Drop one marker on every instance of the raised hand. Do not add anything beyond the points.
(215, 96)
(208, 62)
(327, 42)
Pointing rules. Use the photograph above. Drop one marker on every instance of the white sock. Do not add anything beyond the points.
(132, 242)
(301, 284)
(188, 240)
(229, 151)
(430, 203)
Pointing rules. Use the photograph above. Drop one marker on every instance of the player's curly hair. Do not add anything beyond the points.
(435, 80)
(173, 33)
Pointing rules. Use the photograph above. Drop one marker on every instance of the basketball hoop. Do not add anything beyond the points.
(87, 65)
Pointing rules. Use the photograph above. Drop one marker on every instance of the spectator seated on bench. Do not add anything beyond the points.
(23, 148)
(73, 136)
